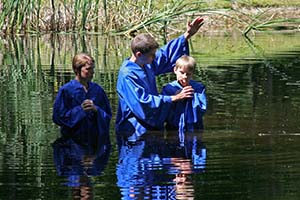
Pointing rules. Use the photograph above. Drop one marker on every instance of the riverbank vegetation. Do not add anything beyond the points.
(128, 16)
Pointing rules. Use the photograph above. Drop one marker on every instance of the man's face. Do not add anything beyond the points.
(148, 58)
(183, 76)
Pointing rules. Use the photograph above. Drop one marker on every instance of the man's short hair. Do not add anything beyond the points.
(143, 43)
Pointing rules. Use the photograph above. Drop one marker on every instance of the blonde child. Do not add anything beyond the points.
(186, 115)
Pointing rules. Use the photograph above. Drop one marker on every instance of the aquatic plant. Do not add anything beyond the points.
(265, 20)
(127, 16)
(154, 17)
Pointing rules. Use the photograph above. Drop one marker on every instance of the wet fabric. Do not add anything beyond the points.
(85, 128)
(141, 108)
(186, 115)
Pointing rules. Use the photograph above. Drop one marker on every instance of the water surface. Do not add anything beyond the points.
(250, 148)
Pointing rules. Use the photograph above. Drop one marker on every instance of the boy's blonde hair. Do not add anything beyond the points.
(187, 62)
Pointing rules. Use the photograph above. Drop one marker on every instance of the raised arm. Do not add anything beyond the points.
(168, 54)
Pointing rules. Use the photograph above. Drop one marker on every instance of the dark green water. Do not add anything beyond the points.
(250, 148)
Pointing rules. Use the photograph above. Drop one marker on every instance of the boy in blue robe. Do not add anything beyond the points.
(186, 115)
(81, 107)
(141, 108)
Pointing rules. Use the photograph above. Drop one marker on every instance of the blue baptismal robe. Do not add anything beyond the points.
(83, 127)
(186, 115)
(141, 108)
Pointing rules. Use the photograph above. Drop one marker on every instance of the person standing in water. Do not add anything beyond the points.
(81, 107)
(141, 107)
(186, 115)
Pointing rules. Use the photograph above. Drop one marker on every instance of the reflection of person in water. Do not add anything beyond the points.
(184, 188)
(77, 163)
(158, 167)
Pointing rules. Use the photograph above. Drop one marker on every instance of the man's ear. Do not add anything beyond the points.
(138, 54)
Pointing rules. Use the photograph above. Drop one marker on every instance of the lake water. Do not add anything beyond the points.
(250, 148)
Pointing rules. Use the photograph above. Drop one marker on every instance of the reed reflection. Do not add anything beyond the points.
(78, 162)
(160, 165)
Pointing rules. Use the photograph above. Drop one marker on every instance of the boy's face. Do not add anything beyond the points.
(87, 72)
(183, 75)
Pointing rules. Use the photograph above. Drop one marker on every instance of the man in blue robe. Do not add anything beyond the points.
(186, 115)
(82, 109)
(141, 108)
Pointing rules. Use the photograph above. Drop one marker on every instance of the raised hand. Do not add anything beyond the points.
(193, 27)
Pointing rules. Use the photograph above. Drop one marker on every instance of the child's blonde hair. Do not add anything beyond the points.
(187, 62)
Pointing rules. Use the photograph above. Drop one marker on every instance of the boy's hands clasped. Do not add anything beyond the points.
(185, 93)
(88, 105)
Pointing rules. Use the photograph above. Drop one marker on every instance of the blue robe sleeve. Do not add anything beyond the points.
(199, 100)
(63, 114)
(194, 111)
(103, 114)
(100, 120)
(167, 55)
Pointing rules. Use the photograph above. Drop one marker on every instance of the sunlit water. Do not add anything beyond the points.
(250, 148)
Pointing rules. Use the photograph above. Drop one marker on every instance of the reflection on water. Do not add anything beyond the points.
(77, 162)
(160, 167)
(251, 126)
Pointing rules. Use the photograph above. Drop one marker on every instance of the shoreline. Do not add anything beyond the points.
(239, 18)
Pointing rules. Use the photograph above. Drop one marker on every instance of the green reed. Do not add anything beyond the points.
(264, 20)
(276, 24)
(116, 17)
(87, 15)
(150, 16)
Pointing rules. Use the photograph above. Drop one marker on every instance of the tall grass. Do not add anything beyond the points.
(108, 16)
(154, 17)
(264, 20)
(40, 16)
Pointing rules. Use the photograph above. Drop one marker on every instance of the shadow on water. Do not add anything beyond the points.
(251, 126)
